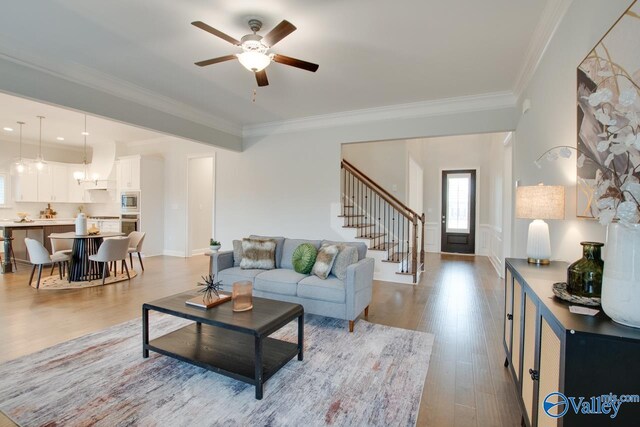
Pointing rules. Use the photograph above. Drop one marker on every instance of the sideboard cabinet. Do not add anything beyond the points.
(551, 350)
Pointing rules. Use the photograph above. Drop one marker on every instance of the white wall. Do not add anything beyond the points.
(385, 162)
(552, 121)
(200, 203)
(176, 153)
(286, 183)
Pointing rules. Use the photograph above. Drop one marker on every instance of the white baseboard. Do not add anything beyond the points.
(173, 253)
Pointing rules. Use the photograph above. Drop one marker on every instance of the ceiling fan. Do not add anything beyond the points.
(255, 54)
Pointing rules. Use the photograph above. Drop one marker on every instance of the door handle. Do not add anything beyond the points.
(509, 316)
(535, 375)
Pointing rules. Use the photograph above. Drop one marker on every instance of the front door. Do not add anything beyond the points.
(458, 211)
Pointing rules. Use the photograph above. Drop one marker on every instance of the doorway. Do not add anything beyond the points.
(458, 225)
(200, 176)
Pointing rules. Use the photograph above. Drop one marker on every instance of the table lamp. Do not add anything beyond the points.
(539, 202)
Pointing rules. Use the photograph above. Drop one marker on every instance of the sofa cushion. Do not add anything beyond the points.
(304, 257)
(329, 289)
(290, 246)
(348, 255)
(235, 274)
(324, 261)
(237, 252)
(258, 253)
(279, 244)
(279, 281)
(362, 247)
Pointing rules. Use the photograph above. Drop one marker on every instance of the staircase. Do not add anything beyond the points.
(393, 232)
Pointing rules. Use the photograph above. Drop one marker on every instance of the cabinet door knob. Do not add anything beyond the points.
(509, 316)
(534, 374)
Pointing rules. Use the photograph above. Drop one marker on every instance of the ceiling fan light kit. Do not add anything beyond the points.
(255, 54)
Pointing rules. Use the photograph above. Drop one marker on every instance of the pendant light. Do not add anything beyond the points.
(20, 162)
(83, 175)
(40, 163)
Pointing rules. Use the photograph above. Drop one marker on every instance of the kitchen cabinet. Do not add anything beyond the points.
(129, 173)
(551, 350)
(53, 183)
(26, 185)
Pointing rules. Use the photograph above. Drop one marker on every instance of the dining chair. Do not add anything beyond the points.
(109, 251)
(61, 246)
(11, 255)
(39, 256)
(135, 246)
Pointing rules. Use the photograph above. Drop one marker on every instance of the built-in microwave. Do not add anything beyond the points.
(130, 201)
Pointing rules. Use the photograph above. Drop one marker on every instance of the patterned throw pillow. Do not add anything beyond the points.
(237, 252)
(348, 255)
(259, 254)
(324, 261)
(303, 258)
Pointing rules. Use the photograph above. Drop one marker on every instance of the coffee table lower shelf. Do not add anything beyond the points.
(225, 352)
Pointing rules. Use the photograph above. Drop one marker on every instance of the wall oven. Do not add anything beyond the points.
(130, 201)
(129, 223)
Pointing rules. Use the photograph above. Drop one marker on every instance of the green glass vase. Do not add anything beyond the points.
(584, 277)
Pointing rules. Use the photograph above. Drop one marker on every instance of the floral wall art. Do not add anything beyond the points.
(608, 143)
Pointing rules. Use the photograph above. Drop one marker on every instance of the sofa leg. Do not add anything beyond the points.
(366, 311)
(351, 323)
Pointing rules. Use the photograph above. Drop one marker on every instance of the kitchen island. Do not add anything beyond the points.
(38, 229)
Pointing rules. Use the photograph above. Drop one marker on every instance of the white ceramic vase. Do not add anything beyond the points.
(621, 275)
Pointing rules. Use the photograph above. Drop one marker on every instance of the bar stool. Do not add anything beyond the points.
(13, 256)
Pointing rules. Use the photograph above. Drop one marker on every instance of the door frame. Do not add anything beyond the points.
(187, 229)
(477, 205)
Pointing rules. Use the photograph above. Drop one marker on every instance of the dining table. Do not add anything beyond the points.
(83, 247)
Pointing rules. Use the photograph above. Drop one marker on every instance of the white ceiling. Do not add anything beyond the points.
(60, 122)
(371, 53)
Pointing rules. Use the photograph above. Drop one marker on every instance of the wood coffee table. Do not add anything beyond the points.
(233, 344)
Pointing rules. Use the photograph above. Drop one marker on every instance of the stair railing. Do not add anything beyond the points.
(388, 223)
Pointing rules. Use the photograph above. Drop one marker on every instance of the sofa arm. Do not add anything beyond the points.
(358, 286)
(220, 261)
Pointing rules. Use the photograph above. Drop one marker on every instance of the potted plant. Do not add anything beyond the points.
(214, 245)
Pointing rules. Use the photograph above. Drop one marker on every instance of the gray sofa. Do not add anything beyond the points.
(332, 297)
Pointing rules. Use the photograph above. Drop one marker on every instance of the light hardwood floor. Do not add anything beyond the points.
(459, 299)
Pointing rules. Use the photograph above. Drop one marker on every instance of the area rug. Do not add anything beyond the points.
(373, 376)
(55, 282)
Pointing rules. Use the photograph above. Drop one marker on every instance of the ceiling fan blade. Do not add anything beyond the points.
(215, 60)
(215, 32)
(261, 78)
(281, 31)
(298, 63)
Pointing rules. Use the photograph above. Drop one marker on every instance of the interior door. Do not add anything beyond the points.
(458, 211)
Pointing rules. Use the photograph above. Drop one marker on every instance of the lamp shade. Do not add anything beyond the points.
(540, 202)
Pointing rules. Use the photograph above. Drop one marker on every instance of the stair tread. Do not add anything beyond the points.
(383, 246)
(358, 226)
(371, 236)
(350, 216)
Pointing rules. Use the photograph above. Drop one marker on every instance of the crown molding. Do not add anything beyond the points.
(439, 107)
(97, 80)
(552, 15)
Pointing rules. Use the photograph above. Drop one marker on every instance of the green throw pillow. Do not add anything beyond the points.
(303, 258)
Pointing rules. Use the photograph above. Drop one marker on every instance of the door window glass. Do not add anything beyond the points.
(458, 199)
